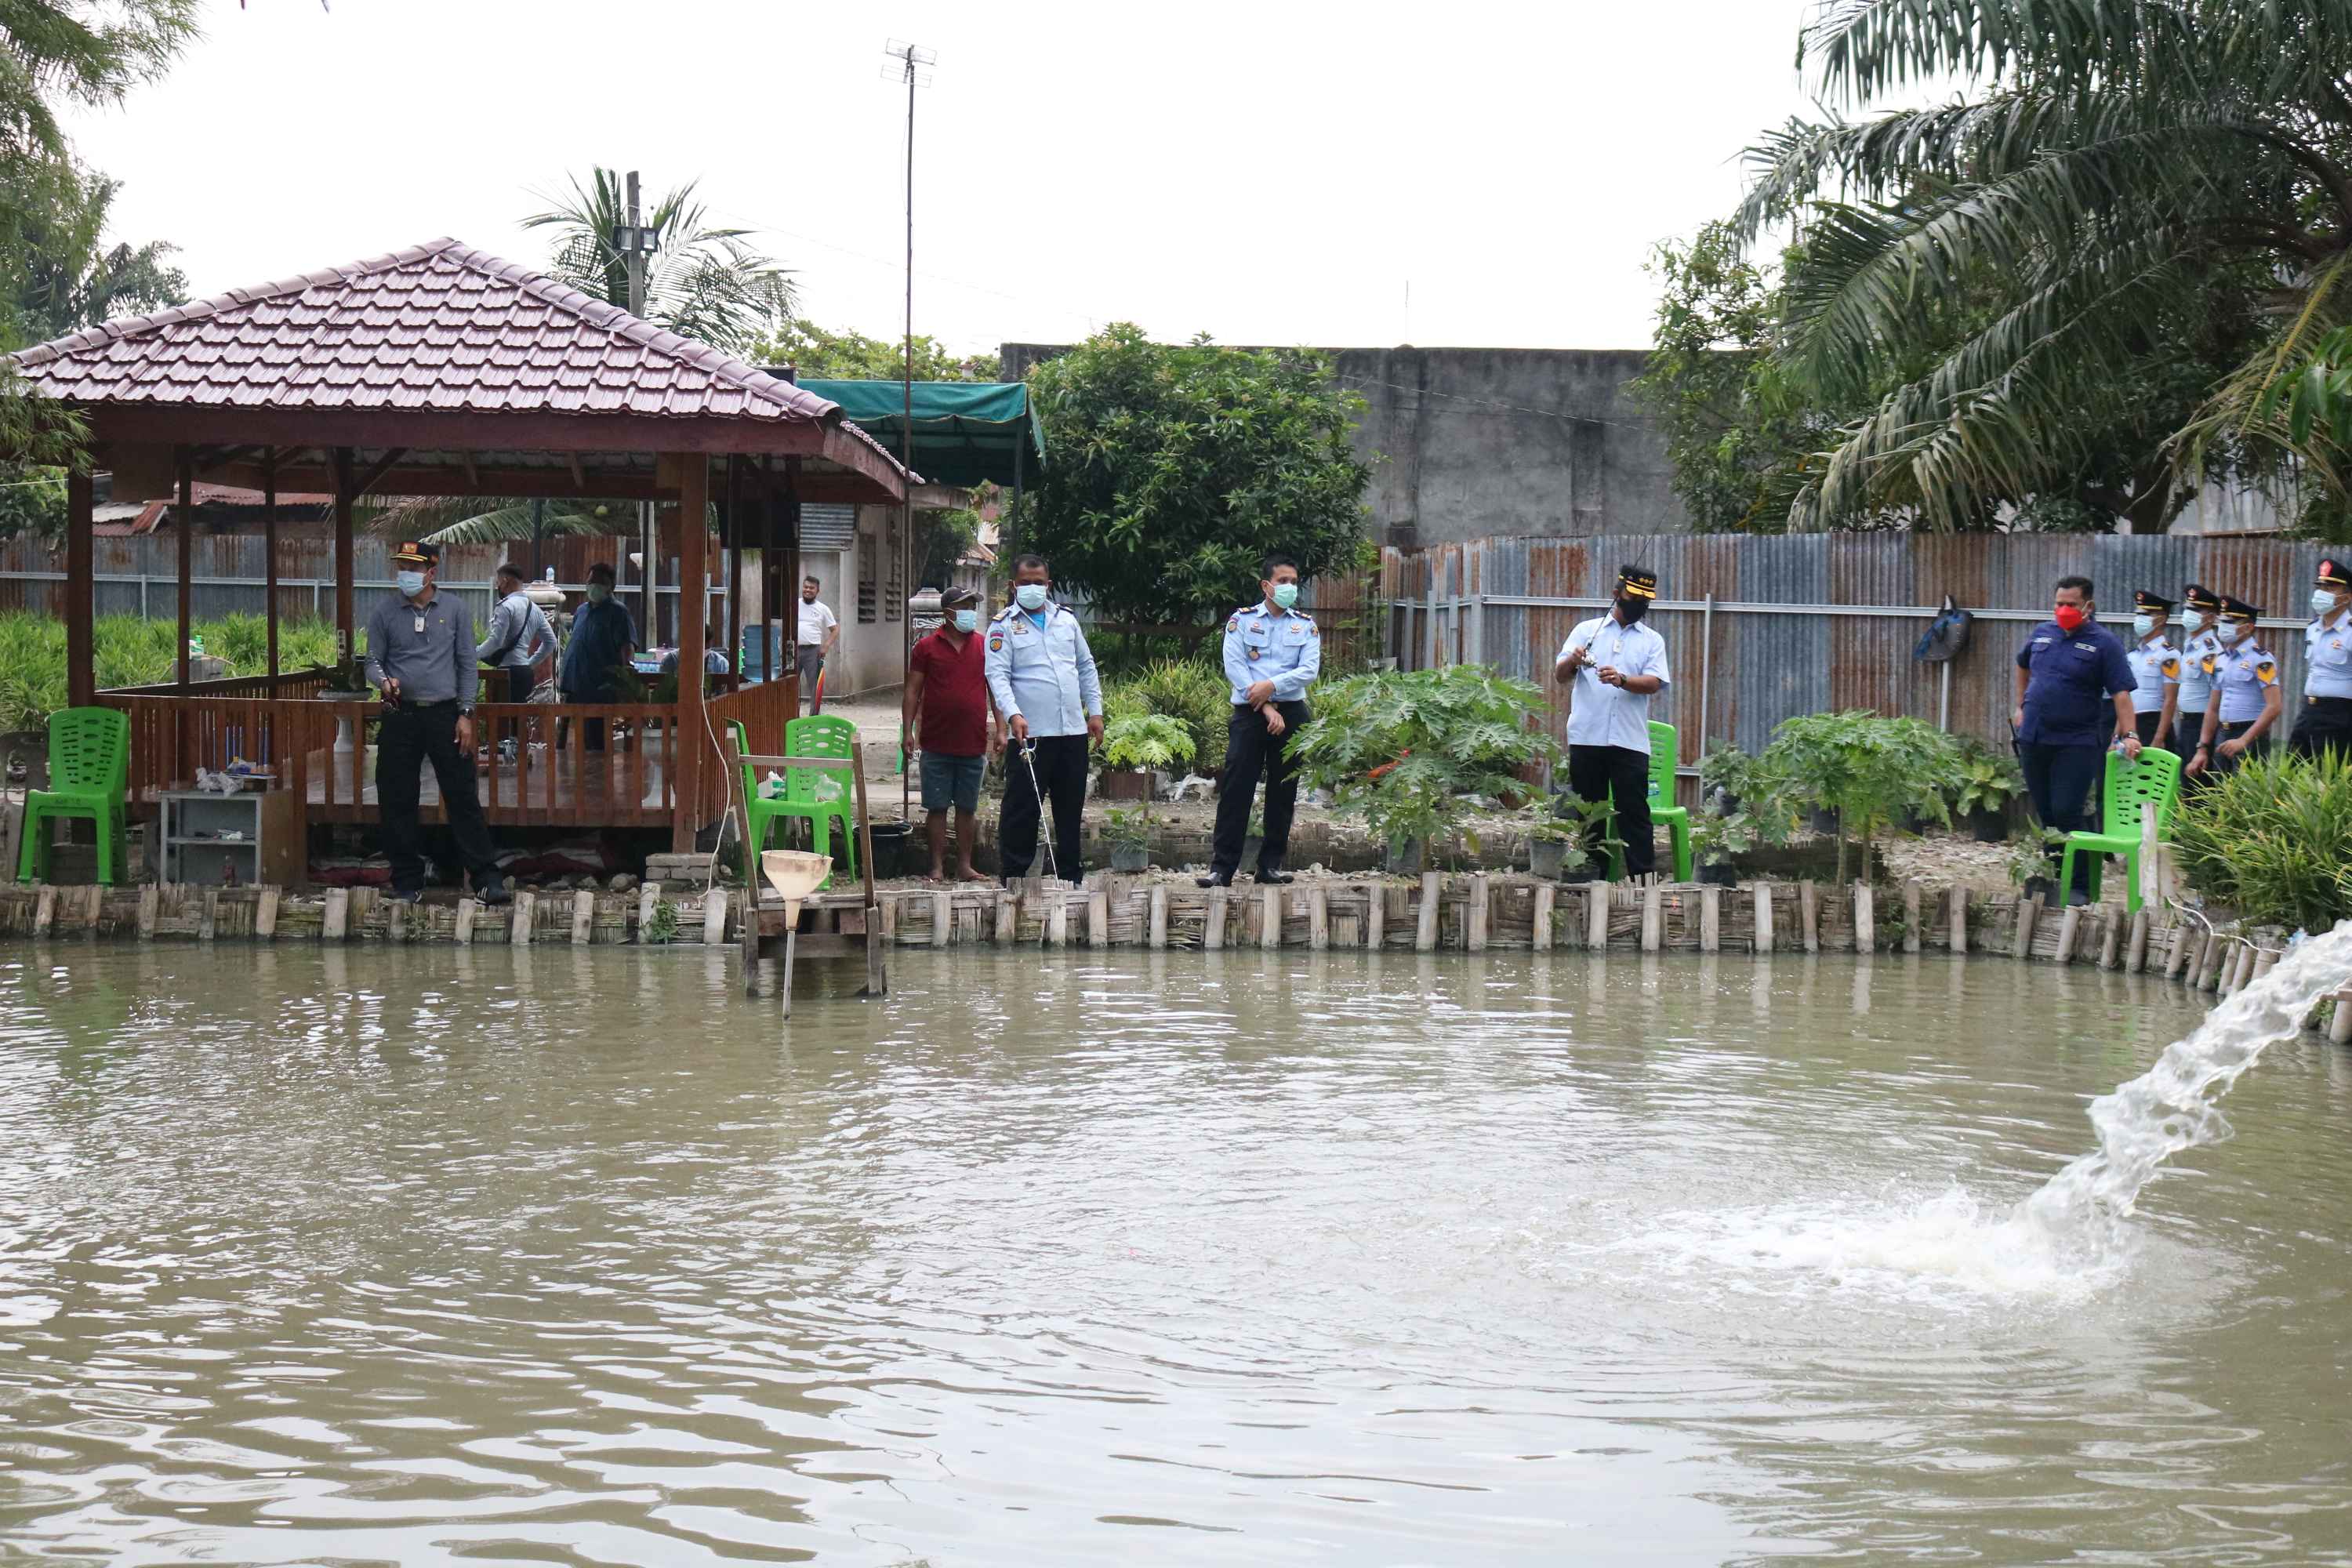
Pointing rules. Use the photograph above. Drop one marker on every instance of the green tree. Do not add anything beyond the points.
(821, 355)
(72, 278)
(2121, 178)
(1178, 468)
(703, 282)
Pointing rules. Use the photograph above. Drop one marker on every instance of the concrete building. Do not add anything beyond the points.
(1473, 443)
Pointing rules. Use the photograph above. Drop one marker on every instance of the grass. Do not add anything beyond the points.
(131, 652)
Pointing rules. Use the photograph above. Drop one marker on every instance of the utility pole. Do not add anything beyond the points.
(912, 66)
(636, 243)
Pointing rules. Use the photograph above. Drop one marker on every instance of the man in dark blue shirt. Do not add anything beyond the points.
(602, 637)
(2073, 697)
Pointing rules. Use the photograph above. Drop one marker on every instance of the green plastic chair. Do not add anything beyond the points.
(1665, 756)
(90, 773)
(820, 795)
(2156, 777)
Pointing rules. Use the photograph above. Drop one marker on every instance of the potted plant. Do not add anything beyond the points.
(2033, 864)
(1550, 844)
(1127, 831)
(1983, 788)
(1565, 838)
(1406, 750)
(1133, 744)
(1718, 839)
(1729, 776)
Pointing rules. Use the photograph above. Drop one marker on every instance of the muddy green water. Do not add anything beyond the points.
(366, 1256)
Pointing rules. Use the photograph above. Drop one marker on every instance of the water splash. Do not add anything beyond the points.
(2170, 1107)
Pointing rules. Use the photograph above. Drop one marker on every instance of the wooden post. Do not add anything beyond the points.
(1710, 918)
(1097, 919)
(2177, 954)
(2151, 877)
(45, 909)
(265, 915)
(714, 916)
(1318, 919)
(269, 558)
(1376, 914)
(1008, 917)
(519, 922)
(2021, 942)
(732, 515)
(1809, 914)
(1157, 934)
(1763, 896)
(1474, 924)
(584, 917)
(1269, 919)
(2069, 924)
(2135, 957)
(1424, 933)
(1547, 892)
(2209, 961)
(334, 922)
(1913, 908)
(1596, 916)
(1654, 915)
(2111, 942)
(395, 922)
(648, 900)
(151, 899)
(1865, 917)
(185, 519)
(2264, 961)
(1958, 897)
(81, 586)
(693, 604)
(942, 918)
(208, 924)
(1212, 934)
(343, 564)
(2339, 1022)
(467, 909)
(1057, 919)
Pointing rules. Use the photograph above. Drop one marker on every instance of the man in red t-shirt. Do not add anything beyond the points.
(947, 686)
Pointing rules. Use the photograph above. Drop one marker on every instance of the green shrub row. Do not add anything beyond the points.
(2273, 840)
(133, 651)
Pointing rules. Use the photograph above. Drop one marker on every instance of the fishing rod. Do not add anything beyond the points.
(1029, 759)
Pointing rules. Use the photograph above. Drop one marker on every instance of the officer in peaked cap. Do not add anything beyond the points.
(2155, 664)
(2245, 694)
(2186, 701)
(1272, 653)
(1616, 664)
(2325, 722)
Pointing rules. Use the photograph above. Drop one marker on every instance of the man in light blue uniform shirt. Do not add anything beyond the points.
(2184, 718)
(2325, 722)
(2246, 701)
(1273, 654)
(1618, 665)
(1042, 675)
(2155, 666)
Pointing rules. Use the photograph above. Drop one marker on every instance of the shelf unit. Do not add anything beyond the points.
(268, 850)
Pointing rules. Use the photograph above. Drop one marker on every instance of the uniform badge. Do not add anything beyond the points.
(996, 642)
(2172, 670)
(1256, 651)
(1235, 625)
(2206, 664)
(2266, 672)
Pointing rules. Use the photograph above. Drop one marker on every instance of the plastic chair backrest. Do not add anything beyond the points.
(2155, 777)
(89, 751)
(1664, 758)
(743, 749)
(818, 735)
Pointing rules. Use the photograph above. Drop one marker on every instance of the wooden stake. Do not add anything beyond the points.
(2151, 873)
(518, 924)
(2070, 926)
(2339, 1023)
(1654, 915)
(151, 897)
(584, 917)
(1911, 910)
(265, 915)
(1008, 916)
(334, 925)
(1057, 919)
(943, 919)
(1474, 925)
(2264, 961)
(1269, 919)
(1596, 916)
(714, 917)
(2209, 961)
(1212, 935)
(1957, 898)
(2111, 942)
(1809, 914)
(1547, 892)
(648, 900)
(2135, 955)
(1157, 934)
(2021, 942)
(1376, 914)
(210, 923)
(1762, 940)
(1865, 917)
(467, 909)
(1097, 919)
(1425, 932)
(1710, 918)
(395, 922)
(1318, 919)
(2176, 954)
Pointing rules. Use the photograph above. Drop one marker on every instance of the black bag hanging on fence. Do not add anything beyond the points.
(1946, 636)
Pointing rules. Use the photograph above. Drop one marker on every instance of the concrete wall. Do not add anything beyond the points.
(1473, 443)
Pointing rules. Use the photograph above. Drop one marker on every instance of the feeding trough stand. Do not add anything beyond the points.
(782, 879)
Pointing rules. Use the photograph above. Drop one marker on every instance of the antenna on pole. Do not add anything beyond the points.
(910, 64)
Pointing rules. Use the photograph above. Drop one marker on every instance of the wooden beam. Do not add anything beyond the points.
(376, 471)
(81, 666)
(693, 538)
(733, 517)
(343, 492)
(185, 519)
(270, 550)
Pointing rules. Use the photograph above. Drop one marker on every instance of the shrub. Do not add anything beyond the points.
(1146, 741)
(2273, 840)
(1193, 691)
(1871, 770)
(130, 650)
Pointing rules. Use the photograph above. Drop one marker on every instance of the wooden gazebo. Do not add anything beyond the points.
(441, 370)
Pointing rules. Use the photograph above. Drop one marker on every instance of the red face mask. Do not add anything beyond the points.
(2068, 616)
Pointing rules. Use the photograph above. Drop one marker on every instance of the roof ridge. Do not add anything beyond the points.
(612, 318)
(123, 327)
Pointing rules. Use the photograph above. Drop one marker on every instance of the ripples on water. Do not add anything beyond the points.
(439, 1256)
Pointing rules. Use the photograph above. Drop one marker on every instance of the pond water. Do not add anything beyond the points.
(435, 1255)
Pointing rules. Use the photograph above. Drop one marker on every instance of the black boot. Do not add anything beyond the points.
(1216, 879)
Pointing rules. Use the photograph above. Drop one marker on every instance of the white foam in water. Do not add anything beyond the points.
(2070, 1240)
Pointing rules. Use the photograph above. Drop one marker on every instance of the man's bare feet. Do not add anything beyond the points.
(966, 874)
(934, 875)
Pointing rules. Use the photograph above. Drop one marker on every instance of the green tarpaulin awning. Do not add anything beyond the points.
(965, 431)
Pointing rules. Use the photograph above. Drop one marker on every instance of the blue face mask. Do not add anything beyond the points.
(2143, 626)
(967, 620)
(1031, 596)
(2323, 601)
(409, 583)
(1285, 595)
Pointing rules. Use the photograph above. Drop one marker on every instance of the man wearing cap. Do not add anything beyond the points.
(2325, 722)
(1042, 680)
(1272, 655)
(947, 718)
(2186, 702)
(2246, 700)
(2155, 666)
(421, 657)
(1617, 665)
(2074, 696)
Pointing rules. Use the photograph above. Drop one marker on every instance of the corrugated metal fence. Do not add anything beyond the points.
(1811, 623)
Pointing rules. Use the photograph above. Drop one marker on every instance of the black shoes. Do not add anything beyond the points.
(1217, 879)
(496, 893)
(1276, 878)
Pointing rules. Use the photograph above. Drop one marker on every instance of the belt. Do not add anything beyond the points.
(408, 707)
(2316, 701)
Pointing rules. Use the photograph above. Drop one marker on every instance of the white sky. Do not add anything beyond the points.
(1274, 172)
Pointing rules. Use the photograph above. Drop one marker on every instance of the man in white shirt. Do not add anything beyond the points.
(1617, 664)
(819, 632)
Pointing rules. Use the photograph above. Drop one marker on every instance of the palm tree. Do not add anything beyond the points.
(2115, 163)
(703, 282)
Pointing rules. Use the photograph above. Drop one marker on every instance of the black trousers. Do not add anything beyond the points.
(591, 730)
(1250, 750)
(2323, 725)
(410, 736)
(2217, 765)
(1603, 773)
(1061, 773)
(2064, 781)
(2145, 724)
(519, 681)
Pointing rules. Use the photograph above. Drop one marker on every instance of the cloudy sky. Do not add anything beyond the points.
(1275, 172)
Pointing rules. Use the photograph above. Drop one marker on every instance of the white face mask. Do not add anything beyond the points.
(2143, 626)
(2323, 601)
(1031, 596)
(967, 620)
(409, 583)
